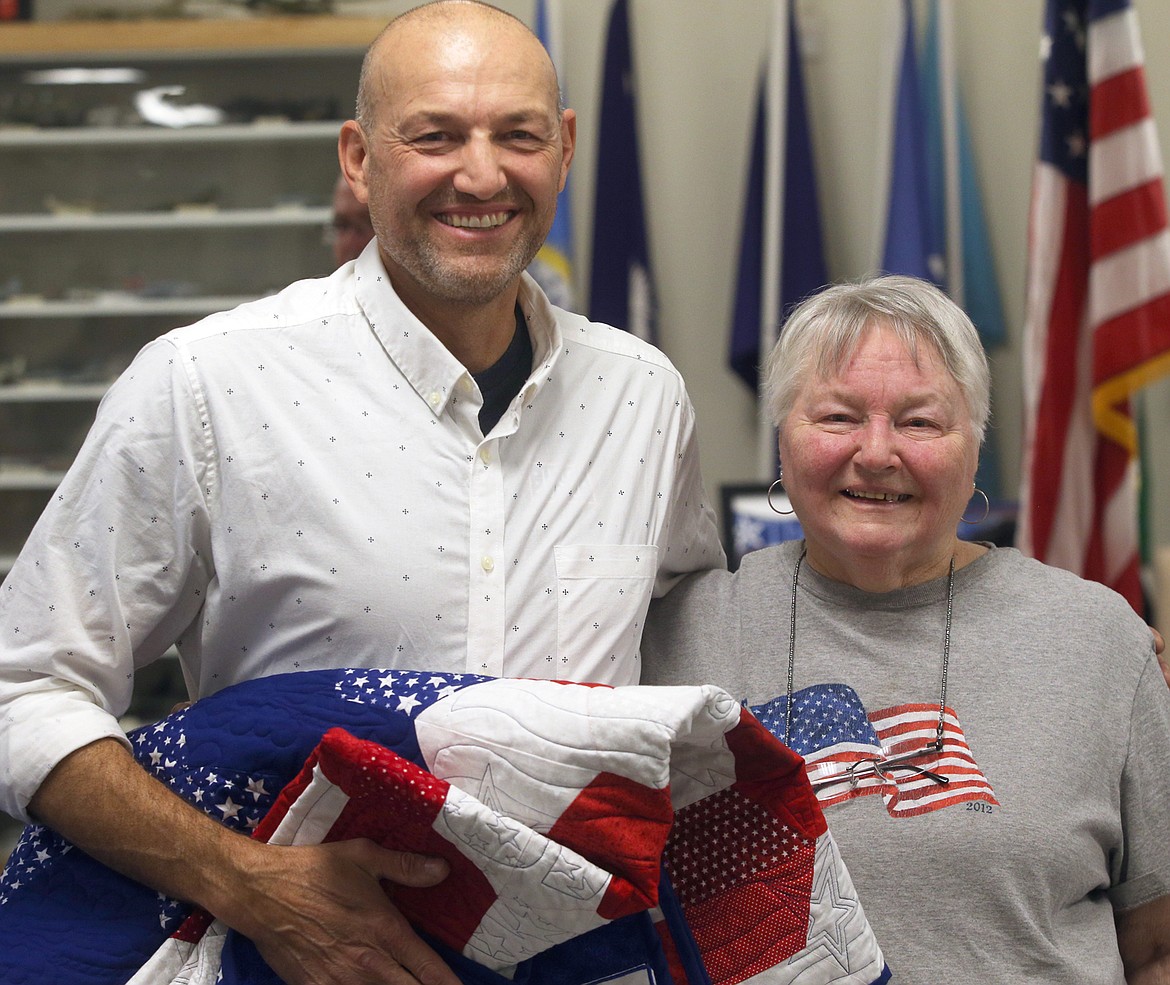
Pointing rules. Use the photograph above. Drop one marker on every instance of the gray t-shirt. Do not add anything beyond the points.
(1058, 750)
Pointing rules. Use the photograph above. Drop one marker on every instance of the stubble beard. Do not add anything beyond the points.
(472, 279)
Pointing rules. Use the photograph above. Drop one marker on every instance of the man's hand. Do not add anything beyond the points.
(1159, 649)
(320, 915)
(1143, 939)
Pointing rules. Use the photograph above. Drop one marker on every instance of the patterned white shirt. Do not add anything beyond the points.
(302, 483)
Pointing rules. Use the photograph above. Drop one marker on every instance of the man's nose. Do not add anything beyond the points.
(480, 173)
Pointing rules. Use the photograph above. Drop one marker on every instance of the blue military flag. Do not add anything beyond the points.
(936, 227)
(802, 268)
(914, 245)
(970, 277)
(621, 284)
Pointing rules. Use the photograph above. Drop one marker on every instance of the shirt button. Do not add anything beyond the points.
(485, 455)
(465, 385)
(487, 563)
(436, 398)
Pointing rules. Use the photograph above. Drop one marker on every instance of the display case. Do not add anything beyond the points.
(154, 172)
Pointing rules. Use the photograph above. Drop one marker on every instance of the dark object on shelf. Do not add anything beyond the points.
(291, 6)
(15, 10)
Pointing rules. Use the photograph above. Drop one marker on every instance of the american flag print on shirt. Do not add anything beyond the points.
(833, 731)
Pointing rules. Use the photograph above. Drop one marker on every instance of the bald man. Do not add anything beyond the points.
(416, 462)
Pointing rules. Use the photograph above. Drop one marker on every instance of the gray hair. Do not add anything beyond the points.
(823, 332)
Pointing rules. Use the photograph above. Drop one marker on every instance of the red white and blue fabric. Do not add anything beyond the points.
(1098, 299)
(636, 834)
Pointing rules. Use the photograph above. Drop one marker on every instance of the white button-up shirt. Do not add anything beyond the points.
(302, 483)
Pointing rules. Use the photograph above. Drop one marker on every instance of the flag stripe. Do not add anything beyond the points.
(1151, 322)
(1120, 101)
(1115, 41)
(1137, 213)
(1057, 399)
(1126, 281)
(1111, 557)
(1122, 160)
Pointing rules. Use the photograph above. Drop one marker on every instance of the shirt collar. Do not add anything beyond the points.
(426, 363)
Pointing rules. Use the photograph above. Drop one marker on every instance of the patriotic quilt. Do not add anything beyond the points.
(595, 834)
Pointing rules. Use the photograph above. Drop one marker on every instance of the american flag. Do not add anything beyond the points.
(833, 731)
(905, 728)
(1098, 305)
(642, 835)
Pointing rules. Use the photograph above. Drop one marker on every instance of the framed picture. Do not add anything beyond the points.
(749, 523)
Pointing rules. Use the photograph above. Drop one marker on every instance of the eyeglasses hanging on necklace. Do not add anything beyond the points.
(854, 773)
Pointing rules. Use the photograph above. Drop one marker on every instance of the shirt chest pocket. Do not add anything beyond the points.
(603, 591)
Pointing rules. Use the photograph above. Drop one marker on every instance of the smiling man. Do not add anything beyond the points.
(460, 148)
(417, 462)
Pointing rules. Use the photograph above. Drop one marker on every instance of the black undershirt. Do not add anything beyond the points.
(501, 381)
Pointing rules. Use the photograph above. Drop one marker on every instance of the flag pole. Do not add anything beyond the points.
(774, 154)
(886, 127)
(949, 98)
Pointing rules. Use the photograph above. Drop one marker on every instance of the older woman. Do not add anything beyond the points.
(989, 736)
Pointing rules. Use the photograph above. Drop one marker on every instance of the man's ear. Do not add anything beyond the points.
(351, 155)
(568, 143)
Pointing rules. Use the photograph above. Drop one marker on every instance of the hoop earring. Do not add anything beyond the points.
(986, 507)
(772, 489)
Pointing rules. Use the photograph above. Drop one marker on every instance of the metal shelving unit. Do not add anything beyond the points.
(114, 230)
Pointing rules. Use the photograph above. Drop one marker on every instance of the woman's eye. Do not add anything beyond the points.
(921, 424)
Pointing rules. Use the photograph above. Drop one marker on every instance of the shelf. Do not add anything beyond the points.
(26, 477)
(232, 211)
(53, 391)
(212, 38)
(115, 306)
(196, 218)
(73, 137)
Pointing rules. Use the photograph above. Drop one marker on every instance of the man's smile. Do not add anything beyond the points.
(489, 221)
